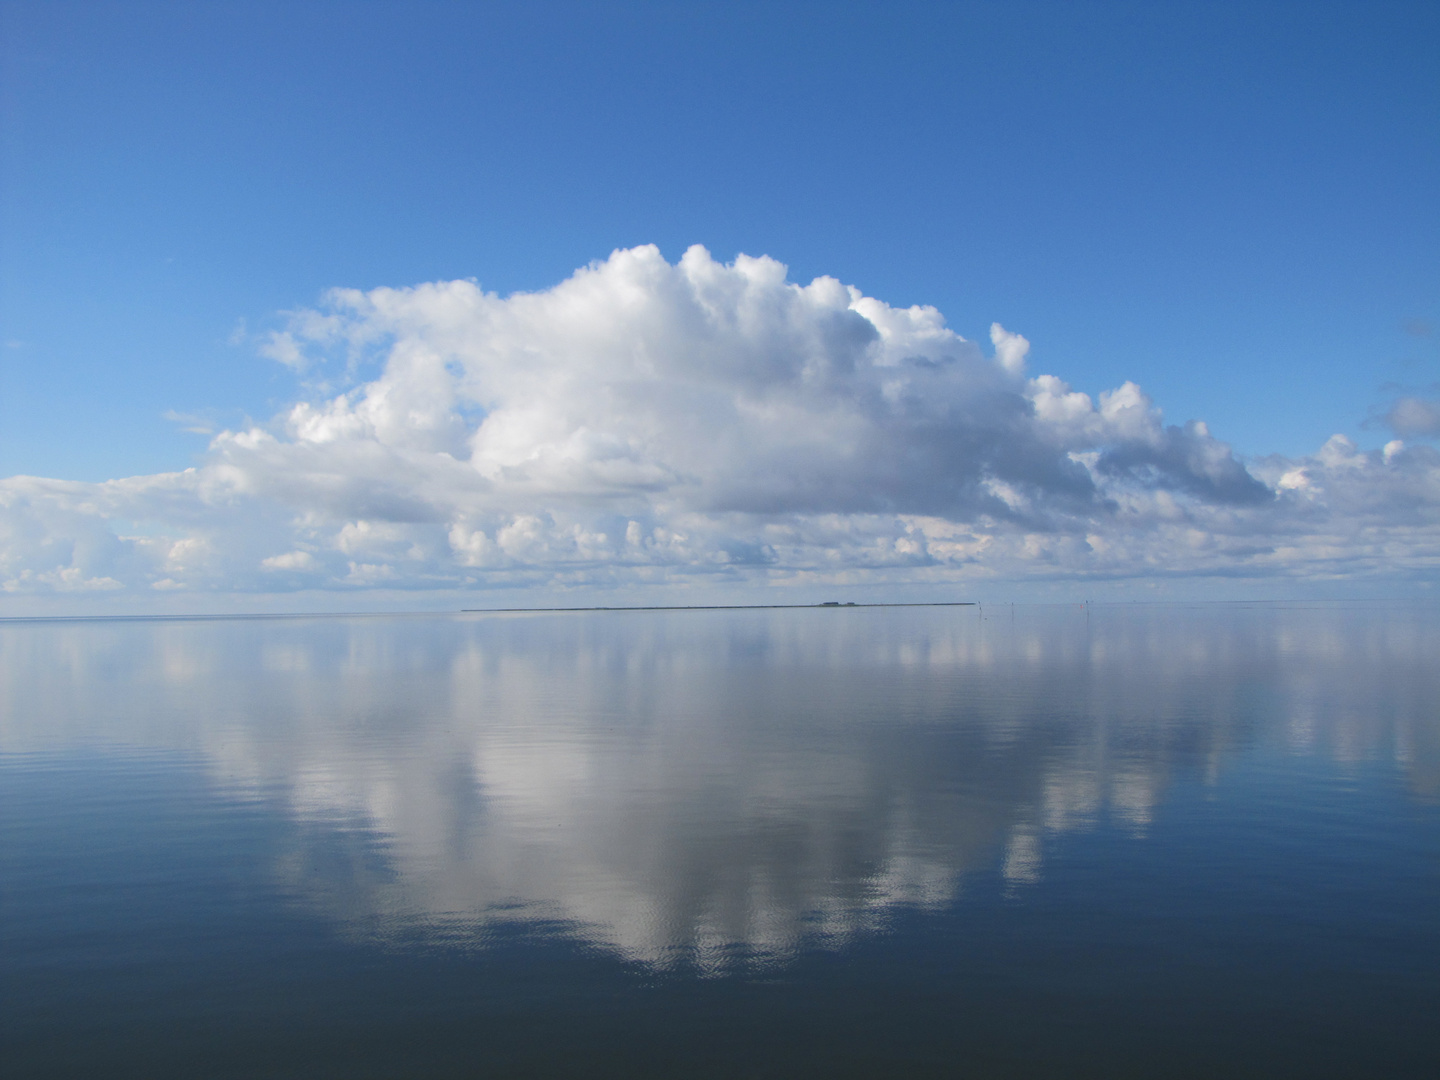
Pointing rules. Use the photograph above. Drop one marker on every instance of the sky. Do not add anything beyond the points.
(335, 305)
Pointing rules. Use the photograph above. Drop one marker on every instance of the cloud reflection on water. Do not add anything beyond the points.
(700, 786)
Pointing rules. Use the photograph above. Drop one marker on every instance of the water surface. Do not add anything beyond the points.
(1139, 840)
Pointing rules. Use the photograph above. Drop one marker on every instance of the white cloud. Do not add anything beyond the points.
(291, 560)
(195, 425)
(282, 348)
(644, 423)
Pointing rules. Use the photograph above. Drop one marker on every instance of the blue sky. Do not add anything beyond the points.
(1232, 205)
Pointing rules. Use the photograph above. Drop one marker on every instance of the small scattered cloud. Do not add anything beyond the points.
(191, 422)
(1418, 327)
(291, 560)
(1414, 417)
(281, 346)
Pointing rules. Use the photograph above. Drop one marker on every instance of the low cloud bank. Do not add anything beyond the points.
(644, 423)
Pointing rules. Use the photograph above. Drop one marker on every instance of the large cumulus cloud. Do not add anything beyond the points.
(644, 422)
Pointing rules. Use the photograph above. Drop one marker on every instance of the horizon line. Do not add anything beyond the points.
(724, 607)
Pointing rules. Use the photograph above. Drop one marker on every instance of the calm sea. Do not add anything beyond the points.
(1178, 841)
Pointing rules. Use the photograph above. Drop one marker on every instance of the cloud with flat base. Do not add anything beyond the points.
(647, 423)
